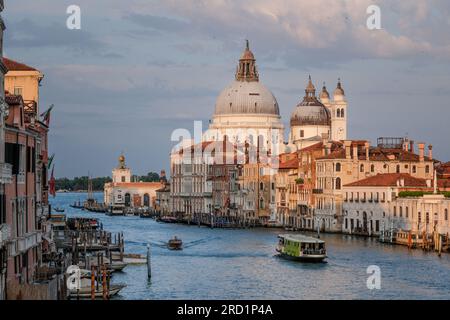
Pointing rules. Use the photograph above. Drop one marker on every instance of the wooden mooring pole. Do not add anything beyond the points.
(93, 283)
(149, 266)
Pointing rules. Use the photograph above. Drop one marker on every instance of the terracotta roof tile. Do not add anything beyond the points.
(12, 65)
(389, 180)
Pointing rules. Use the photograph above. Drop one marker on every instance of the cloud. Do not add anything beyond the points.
(26, 33)
(157, 22)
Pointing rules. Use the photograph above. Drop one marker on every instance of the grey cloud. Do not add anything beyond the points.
(28, 34)
(157, 22)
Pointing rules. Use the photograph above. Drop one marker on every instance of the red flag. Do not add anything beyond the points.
(51, 183)
(46, 115)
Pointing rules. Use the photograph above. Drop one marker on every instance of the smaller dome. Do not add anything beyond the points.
(310, 111)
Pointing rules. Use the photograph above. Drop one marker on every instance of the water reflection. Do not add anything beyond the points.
(241, 264)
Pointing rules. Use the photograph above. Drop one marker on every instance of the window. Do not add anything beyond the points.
(407, 212)
(427, 217)
(372, 168)
(446, 214)
(419, 217)
(414, 170)
(18, 91)
(361, 168)
(398, 168)
(395, 211)
(401, 211)
(342, 113)
(338, 167)
(302, 133)
(261, 186)
(427, 169)
(338, 183)
(338, 113)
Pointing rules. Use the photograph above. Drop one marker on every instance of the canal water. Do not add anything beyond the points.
(241, 264)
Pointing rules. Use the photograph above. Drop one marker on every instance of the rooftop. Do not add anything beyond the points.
(16, 66)
(390, 180)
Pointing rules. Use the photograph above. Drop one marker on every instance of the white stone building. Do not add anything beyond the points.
(246, 110)
(313, 120)
(122, 193)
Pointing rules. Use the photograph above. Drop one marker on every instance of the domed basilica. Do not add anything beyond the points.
(246, 111)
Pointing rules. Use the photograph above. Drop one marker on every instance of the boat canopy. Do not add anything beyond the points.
(300, 238)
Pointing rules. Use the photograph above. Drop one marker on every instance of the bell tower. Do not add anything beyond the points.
(121, 174)
(338, 110)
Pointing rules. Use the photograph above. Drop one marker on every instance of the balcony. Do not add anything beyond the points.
(22, 244)
(317, 191)
(5, 173)
(5, 233)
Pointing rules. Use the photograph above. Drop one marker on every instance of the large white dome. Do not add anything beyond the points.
(244, 97)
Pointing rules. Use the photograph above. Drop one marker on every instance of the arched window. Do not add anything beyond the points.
(372, 168)
(401, 212)
(127, 199)
(261, 203)
(398, 168)
(427, 217)
(261, 186)
(414, 170)
(338, 112)
(146, 200)
(338, 167)
(361, 168)
(395, 211)
(427, 169)
(446, 214)
(407, 212)
(342, 113)
(338, 183)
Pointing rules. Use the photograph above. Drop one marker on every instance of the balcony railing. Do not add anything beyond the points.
(5, 173)
(5, 233)
(317, 191)
(22, 244)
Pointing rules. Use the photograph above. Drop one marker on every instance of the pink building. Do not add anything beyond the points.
(25, 197)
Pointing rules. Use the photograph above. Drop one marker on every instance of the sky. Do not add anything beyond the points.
(138, 69)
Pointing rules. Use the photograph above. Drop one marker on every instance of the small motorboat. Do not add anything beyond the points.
(57, 209)
(175, 244)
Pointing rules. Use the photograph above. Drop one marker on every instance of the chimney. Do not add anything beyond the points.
(328, 148)
(347, 145)
(421, 151)
(355, 152)
(411, 146)
(430, 152)
(367, 146)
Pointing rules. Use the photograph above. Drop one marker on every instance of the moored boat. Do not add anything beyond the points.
(60, 210)
(301, 248)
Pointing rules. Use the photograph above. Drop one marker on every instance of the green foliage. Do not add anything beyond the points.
(81, 183)
(415, 194)
(299, 181)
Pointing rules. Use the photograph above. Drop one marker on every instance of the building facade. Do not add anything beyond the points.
(351, 161)
(123, 193)
(5, 170)
(26, 197)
